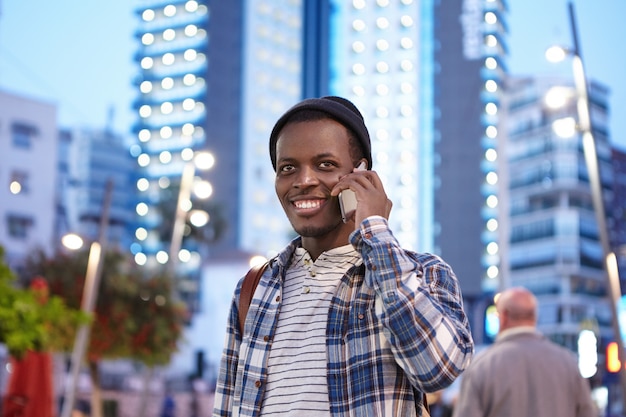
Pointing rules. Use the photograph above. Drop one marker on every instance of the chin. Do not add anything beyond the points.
(313, 230)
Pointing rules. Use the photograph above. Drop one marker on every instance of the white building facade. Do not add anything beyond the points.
(28, 172)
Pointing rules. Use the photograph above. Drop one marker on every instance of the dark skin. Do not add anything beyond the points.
(313, 165)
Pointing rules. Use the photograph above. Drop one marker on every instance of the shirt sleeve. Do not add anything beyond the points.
(420, 307)
(225, 386)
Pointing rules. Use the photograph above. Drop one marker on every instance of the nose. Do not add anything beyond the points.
(306, 177)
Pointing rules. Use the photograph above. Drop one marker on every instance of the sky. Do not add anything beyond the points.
(78, 54)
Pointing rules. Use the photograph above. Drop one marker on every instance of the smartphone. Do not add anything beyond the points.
(347, 198)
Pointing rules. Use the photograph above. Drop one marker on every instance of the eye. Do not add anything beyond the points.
(286, 168)
(327, 164)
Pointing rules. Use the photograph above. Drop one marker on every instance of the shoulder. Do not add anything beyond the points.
(427, 259)
(496, 355)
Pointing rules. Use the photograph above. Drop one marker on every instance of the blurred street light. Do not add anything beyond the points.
(565, 127)
(555, 54)
(203, 161)
(198, 218)
(558, 96)
(72, 241)
(89, 297)
(257, 260)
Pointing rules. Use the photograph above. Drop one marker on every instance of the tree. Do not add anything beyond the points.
(31, 320)
(32, 325)
(135, 318)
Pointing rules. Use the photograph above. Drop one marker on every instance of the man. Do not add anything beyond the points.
(344, 322)
(523, 374)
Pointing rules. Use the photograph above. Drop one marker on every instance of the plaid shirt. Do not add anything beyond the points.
(396, 328)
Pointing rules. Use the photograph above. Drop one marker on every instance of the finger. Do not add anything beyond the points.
(374, 179)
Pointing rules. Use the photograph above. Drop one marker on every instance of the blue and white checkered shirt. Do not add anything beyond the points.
(396, 328)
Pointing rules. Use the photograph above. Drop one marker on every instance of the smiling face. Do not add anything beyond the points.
(311, 157)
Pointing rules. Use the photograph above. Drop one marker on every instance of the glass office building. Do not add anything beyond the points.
(426, 76)
(212, 78)
(554, 247)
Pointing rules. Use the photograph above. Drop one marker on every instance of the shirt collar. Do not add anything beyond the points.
(515, 331)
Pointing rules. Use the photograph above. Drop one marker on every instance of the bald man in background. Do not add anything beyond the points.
(523, 374)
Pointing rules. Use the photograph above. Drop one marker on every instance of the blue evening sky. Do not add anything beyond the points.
(78, 54)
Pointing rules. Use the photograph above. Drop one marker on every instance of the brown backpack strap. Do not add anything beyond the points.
(248, 286)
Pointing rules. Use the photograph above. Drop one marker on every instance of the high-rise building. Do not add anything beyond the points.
(470, 68)
(425, 75)
(212, 77)
(617, 221)
(272, 50)
(90, 162)
(554, 247)
(28, 172)
(380, 60)
(171, 107)
(196, 95)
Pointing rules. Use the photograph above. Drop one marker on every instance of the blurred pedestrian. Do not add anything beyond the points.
(82, 408)
(169, 406)
(523, 374)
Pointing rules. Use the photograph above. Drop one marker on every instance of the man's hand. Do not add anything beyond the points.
(370, 194)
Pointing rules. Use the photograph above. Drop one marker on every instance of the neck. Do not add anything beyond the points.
(317, 245)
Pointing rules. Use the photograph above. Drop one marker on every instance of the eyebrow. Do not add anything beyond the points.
(316, 156)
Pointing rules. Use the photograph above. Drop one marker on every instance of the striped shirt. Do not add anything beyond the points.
(395, 328)
(296, 382)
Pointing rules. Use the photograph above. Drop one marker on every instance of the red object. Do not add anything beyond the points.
(39, 286)
(29, 393)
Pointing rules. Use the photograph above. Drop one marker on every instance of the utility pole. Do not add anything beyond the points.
(595, 182)
(88, 302)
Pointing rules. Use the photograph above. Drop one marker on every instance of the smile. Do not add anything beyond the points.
(308, 204)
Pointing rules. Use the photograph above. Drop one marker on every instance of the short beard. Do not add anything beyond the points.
(317, 231)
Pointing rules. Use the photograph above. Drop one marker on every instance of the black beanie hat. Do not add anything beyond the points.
(337, 108)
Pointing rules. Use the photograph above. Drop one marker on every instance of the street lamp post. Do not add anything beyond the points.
(202, 160)
(88, 302)
(595, 182)
(182, 206)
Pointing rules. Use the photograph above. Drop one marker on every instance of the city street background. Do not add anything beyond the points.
(79, 54)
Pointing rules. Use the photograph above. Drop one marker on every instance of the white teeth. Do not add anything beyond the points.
(307, 204)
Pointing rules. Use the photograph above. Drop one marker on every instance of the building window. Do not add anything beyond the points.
(23, 134)
(19, 225)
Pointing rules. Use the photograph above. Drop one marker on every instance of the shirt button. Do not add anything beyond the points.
(361, 316)
(258, 384)
(266, 338)
(374, 268)
(306, 290)
(368, 235)
(312, 273)
(277, 298)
